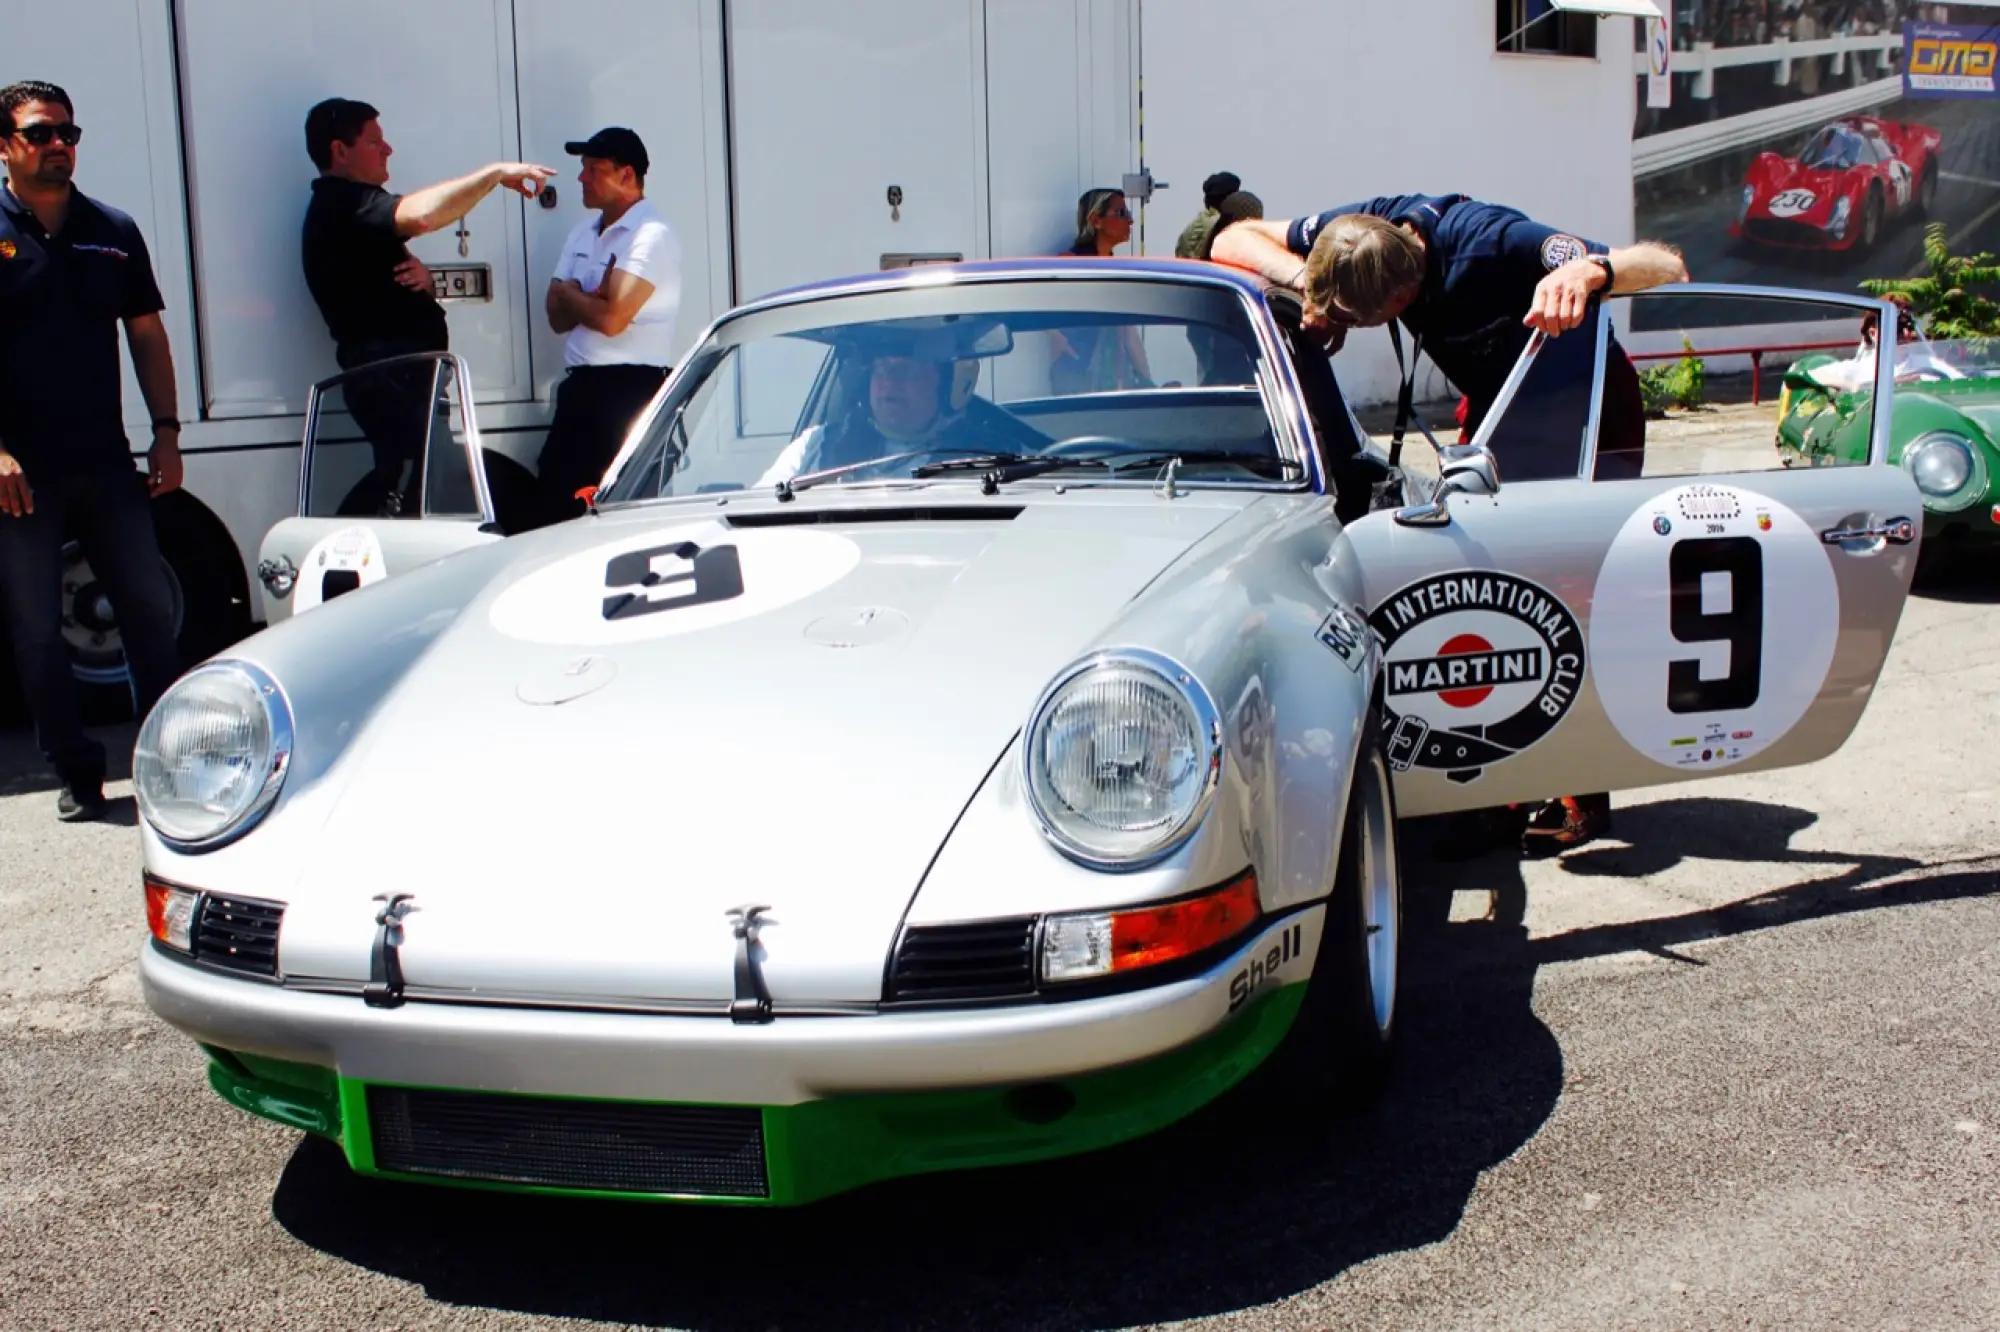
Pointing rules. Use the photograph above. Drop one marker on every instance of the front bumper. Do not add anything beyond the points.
(828, 1103)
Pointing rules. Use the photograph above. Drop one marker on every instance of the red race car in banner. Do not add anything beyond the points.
(1856, 177)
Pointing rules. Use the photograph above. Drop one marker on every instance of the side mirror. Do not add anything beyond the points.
(1463, 469)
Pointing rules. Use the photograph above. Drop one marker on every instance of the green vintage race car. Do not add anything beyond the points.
(1943, 433)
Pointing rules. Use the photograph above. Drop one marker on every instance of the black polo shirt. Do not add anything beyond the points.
(61, 300)
(351, 248)
(1484, 262)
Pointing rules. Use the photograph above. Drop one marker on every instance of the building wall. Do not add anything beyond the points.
(1320, 102)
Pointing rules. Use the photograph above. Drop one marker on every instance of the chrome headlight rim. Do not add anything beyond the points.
(278, 717)
(1967, 494)
(1208, 722)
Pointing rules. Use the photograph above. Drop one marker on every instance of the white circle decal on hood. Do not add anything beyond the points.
(672, 580)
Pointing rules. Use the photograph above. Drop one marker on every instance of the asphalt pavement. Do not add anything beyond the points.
(1735, 1066)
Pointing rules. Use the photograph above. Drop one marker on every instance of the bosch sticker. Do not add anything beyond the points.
(1480, 666)
(1345, 636)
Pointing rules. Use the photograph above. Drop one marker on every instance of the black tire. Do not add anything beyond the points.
(1927, 189)
(1871, 221)
(1338, 1054)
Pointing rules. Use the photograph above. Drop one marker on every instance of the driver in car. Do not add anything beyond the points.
(919, 402)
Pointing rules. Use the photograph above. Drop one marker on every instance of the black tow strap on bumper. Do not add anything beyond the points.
(753, 1002)
(385, 967)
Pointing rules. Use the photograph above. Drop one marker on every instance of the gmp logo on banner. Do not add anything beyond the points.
(1950, 59)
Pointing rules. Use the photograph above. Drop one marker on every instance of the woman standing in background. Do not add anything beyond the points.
(1093, 359)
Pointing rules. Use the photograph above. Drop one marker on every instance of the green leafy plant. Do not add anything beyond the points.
(1678, 383)
(1944, 300)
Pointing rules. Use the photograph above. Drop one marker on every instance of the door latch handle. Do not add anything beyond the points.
(1898, 531)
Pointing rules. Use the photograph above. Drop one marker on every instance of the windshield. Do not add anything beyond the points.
(1970, 358)
(1832, 150)
(1073, 375)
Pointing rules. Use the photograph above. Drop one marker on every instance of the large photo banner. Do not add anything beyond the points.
(1809, 143)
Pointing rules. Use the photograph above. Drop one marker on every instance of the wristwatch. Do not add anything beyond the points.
(1603, 261)
(166, 423)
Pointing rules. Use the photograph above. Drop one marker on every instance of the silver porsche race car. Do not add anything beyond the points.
(903, 766)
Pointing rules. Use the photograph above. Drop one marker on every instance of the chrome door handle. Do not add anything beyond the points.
(1900, 531)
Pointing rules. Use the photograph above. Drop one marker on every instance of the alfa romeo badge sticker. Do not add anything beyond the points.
(1479, 666)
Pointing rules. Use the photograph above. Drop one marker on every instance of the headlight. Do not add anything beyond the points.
(212, 755)
(1124, 751)
(1947, 469)
(1749, 197)
(1837, 224)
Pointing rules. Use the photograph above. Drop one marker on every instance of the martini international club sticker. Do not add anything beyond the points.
(1480, 666)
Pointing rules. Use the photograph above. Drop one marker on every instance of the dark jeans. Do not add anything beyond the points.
(595, 407)
(397, 410)
(111, 517)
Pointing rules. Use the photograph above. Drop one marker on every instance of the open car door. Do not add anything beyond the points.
(391, 476)
(1562, 619)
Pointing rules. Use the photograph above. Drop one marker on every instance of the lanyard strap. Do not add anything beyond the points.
(1405, 406)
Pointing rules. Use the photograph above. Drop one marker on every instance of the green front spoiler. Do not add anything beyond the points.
(816, 1149)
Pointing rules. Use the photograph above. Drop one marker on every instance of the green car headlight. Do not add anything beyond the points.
(1947, 468)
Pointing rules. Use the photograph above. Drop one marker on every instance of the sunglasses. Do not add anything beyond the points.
(40, 136)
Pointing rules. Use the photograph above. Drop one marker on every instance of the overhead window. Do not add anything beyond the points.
(1559, 27)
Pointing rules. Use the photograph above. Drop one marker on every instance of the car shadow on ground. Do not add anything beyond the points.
(24, 771)
(1972, 577)
(1226, 1210)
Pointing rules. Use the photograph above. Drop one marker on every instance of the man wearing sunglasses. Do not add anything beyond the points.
(71, 271)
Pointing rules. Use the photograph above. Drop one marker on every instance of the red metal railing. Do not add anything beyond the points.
(1756, 355)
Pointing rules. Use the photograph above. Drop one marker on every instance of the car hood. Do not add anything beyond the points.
(649, 719)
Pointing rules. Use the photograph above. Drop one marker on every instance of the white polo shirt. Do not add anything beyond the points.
(646, 247)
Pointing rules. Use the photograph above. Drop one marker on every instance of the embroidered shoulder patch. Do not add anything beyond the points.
(1560, 249)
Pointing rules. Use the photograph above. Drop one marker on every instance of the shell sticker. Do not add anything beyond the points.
(341, 562)
(1713, 625)
(673, 580)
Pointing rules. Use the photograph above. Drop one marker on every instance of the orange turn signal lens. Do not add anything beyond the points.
(1107, 943)
(170, 913)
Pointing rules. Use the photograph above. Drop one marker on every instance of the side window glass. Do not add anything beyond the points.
(1705, 385)
(449, 489)
(388, 441)
(1544, 428)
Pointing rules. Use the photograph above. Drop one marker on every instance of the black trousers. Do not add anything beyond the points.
(111, 516)
(398, 409)
(595, 407)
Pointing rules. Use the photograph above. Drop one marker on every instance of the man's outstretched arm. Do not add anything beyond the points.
(442, 204)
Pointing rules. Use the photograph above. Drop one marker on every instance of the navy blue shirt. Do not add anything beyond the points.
(61, 300)
(1484, 262)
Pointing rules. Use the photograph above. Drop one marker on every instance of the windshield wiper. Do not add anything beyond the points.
(788, 488)
(1003, 467)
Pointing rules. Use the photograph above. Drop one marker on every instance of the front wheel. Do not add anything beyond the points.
(1338, 1053)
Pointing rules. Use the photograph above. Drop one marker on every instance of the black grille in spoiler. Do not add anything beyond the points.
(901, 513)
(238, 933)
(988, 959)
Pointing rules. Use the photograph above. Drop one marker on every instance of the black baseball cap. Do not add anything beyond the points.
(615, 144)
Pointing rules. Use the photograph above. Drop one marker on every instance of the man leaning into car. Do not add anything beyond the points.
(1471, 281)
(71, 271)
